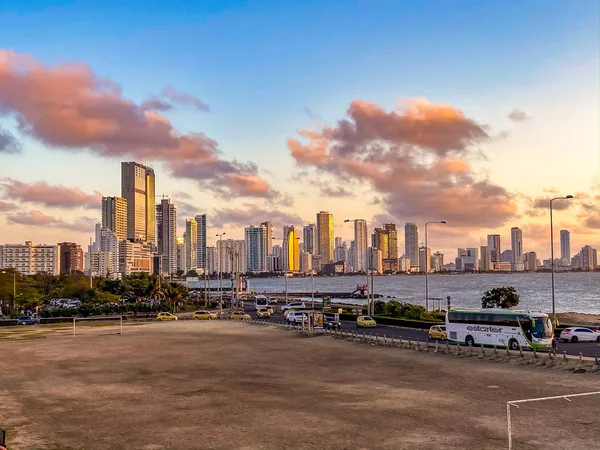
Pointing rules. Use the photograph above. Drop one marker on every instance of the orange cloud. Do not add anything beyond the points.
(43, 193)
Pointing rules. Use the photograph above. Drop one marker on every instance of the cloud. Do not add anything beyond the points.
(516, 115)
(71, 108)
(6, 206)
(155, 104)
(8, 143)
(37, 218)
(253, 215)
(329, 191)
(415, 158)
(544, 203)
(50, 195)
(176, 96)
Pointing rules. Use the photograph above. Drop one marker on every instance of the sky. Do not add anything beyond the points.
(476, 113)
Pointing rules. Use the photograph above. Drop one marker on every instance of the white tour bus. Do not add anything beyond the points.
(260, 301)
(517, 329)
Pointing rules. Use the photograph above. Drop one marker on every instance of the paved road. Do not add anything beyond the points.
(585, 348)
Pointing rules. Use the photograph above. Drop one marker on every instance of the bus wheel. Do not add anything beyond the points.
(513, 344)
(469, 340)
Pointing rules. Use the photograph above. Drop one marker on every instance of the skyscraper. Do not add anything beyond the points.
(310, 238)
(71, 257)
(191, 245)
(137, 188)
(166, 226)
(325, 236)
(291, 250)
(360, 245)
(493, 241)
(201, 241)
(114, 216)
(516, 241)
(269, 237)
(386, 240)
(411, 243)
(256, 256)
(565, 245)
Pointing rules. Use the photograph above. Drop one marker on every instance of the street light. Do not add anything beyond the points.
(364, 262)
(566, 197)
(427, 264)
(220, 235)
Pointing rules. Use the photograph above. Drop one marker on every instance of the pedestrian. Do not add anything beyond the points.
(554, 345)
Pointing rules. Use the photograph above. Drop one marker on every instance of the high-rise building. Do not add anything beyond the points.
(114, 216)
(181, 254)
(306, 262)
(424, 259)
(359, 263)
(516, 243)
(256, 248)
(269, 237)
(530, 261)
(135, 257)
(506, 256)
(411, 243)
(467, 259)
(30, 259)
(191, 245)
(375, 260)
(201, 241)
(565, 245)
(291, 249)
(110, 243)
(101, 264)
(71, 257)
(166, 227)
(437, 262)
(493, 244)
(310, 238)
(212, 259)
(232, 253)
(325, 236)
(589, 258)
(386, 240)
(485, 260)
(138, 189)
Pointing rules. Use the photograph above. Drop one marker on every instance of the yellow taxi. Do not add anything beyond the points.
(438, 332)
(365, 322)
(264, 313)
(240, 315)
(166, 316)
(204, 315)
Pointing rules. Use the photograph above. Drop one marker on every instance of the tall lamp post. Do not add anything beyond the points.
(220, 235)
(426, 266)
(356, 256)
(566, 197)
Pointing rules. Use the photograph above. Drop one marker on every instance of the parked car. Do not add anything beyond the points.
(204, 315)
(165, 316)
(293, 305)
(263, 313)
(25, 320)
(579, 334)
(438, 332)
(240, 315)
(72, 304)
(294, 317)
(331, 324)
(272, 301)
(365, 322)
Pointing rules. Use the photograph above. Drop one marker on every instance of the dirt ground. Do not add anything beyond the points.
(579, 318)
(215, 385)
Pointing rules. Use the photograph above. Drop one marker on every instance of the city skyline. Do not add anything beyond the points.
(481, 150)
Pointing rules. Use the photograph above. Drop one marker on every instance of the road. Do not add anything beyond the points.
(585, 348)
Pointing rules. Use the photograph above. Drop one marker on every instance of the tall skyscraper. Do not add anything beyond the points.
(109, 242)
(166, 226)
(291, 250)
(71, 257)
(181, 254)
(386, 240)
(138, 189)
(565, 245)
(310, 238)
(424, 259)
(325, 236)
(201, 241)
(269, 237)
(191, 245)
(256, 255)
(360, 245)
(411, 243)
(493, 244)
(516, 243)
(485, 261)
(232, 253)
(114, 216)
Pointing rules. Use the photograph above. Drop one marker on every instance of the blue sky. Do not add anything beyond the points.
(268, 68)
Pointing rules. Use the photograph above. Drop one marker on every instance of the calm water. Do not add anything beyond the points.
(578, 292)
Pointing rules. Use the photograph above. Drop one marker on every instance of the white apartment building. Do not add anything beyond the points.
(30, 259)
(101, 264)
(135, 257)
(232, 254)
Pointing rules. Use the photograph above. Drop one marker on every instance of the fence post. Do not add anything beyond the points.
(73, 326)
(384, 338)
(482, 354)
(436, 346)
(447, 347)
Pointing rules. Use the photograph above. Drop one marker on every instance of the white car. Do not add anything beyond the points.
(294, 317)
(579, 335)
(294, 305)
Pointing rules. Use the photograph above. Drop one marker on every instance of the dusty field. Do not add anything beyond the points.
(207, 385)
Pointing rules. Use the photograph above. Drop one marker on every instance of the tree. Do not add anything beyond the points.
(192, 273)
(503, 297)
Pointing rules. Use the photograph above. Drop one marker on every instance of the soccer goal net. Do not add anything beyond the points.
(561, 421)
(97, 326)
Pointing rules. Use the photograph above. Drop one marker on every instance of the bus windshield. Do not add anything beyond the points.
(261, 301)
(542, 328)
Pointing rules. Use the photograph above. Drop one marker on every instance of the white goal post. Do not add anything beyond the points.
(90, 319)
(515, 403)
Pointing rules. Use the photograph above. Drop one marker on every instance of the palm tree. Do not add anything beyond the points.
(175, 294)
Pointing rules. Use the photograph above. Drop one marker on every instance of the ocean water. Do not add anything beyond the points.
(574, 292)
